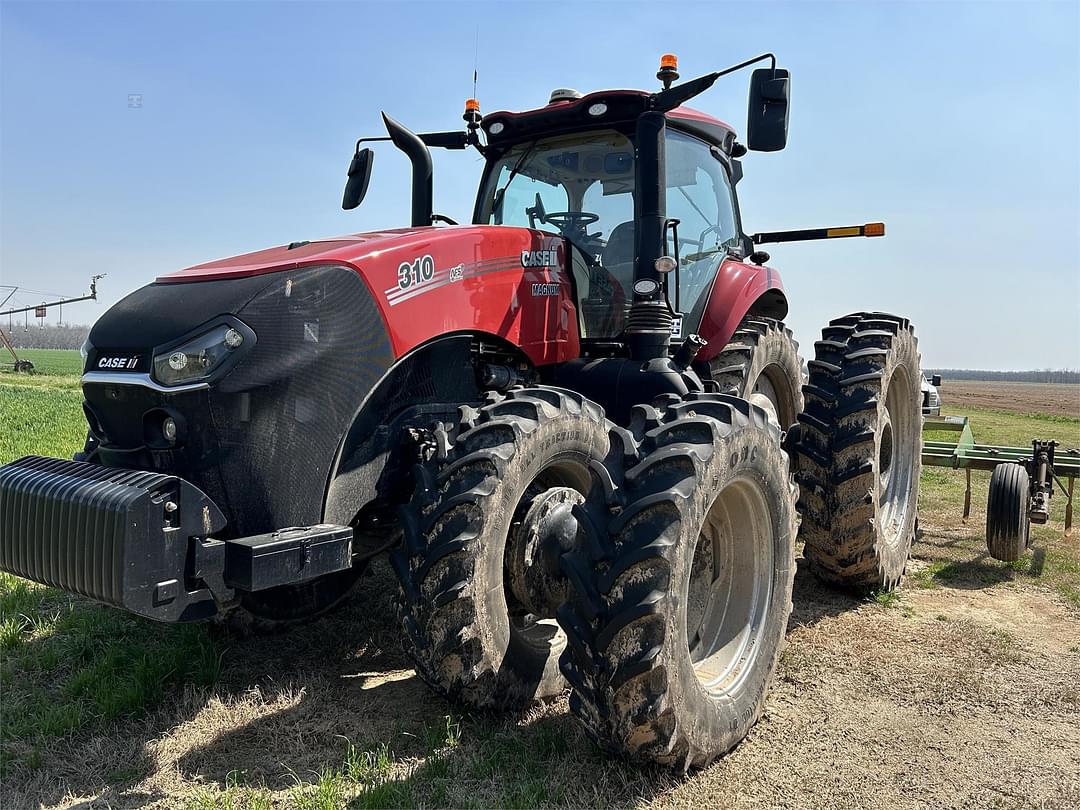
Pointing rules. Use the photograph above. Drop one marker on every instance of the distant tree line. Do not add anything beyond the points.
(50, 336)
(71, 336)
(1044, 375)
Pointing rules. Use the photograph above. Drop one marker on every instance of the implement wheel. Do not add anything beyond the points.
(761, 363)
(859, 445)
(1007, 522)
(676, 620)
(479, 570)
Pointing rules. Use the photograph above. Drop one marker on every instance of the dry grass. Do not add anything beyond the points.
(951, 697)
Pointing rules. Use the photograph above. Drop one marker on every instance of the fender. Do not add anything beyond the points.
(737, 290)
(425, 386)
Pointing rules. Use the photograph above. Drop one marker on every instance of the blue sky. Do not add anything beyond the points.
(956, 123)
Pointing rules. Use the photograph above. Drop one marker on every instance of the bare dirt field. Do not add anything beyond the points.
(1047, 398)
(963, 692)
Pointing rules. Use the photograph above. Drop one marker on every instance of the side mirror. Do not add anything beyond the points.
(935, 380)
(767, 119)
(359, 177)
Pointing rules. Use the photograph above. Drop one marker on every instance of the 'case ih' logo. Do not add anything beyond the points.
(539, 258)
(119, 363)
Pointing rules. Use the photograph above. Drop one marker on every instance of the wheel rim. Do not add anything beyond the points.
(772, 393)
(539, 631)
(731, 583)
(895, 458)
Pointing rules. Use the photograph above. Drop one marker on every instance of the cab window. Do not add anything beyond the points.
(700, 196)
(580, 186)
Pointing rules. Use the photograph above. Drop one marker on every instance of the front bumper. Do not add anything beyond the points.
(143, 541)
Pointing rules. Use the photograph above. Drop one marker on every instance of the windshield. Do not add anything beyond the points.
(580, 186)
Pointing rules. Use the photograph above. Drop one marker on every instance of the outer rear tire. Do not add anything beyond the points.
(657, 670)
(761, 364)
(1007, 524)
(859, 445)
(461, 628)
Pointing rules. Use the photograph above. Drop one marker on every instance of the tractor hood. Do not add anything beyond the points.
(322, 323)
(423, 282)
(351, 249)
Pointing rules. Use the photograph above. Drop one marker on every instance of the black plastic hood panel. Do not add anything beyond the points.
(160, 313)
(262, 438)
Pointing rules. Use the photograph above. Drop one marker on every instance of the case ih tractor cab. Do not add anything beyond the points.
(578, 426)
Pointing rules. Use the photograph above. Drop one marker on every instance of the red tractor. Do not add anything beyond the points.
(578, 426)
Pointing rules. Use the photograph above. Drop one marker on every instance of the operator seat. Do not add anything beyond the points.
(618, 256)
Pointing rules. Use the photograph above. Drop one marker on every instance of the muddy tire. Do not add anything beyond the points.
(859, 446)
(674, 629)
(1007, 524)
(467, 634)
(285, 606)
(761, 363)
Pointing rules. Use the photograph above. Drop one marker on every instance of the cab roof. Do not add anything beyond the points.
(622, 107)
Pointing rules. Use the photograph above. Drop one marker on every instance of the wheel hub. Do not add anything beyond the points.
(885, 454)
(547, 530)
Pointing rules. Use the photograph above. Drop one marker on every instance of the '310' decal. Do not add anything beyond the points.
(416, 272)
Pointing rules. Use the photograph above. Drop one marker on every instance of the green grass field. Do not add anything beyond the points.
(68, 664)
(47, 362)
(70, 667)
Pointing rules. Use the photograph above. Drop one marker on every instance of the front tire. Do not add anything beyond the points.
(676, 621)
(285, 606)
(470, 637)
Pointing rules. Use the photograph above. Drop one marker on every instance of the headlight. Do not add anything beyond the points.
(84, 350)
(199, 357)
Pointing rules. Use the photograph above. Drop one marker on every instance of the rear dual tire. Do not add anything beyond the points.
(859, 451)
(761, 364)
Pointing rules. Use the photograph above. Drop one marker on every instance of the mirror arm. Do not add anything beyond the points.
(667, 100)
(438, 140)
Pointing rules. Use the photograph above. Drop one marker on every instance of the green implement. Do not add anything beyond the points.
(1045, 461)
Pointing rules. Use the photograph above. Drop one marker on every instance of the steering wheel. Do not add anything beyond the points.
(711, 229)
(571, 220)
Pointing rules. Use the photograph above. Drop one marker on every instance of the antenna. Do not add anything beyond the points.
(476, 59)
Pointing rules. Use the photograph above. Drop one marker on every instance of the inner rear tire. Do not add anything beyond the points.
(676, 620)
(761, 364)
(1007, 523)
(470, 638)
(859, 445)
